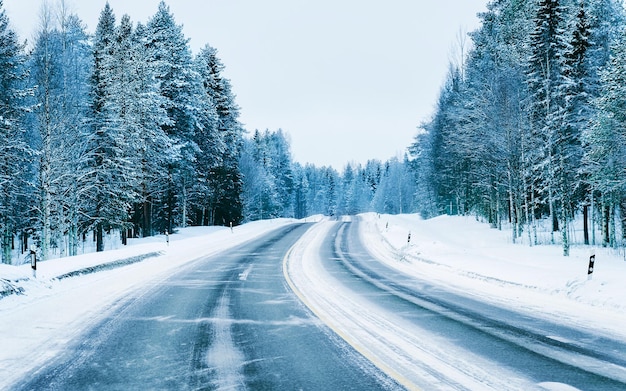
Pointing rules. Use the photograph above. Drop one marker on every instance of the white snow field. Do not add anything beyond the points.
(456, 252)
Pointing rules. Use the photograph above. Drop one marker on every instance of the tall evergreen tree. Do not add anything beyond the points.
(210, 139)
(268, 178)
(226, 178)
(301, 188)
(142, 115)
(177, 80)
(112, 179)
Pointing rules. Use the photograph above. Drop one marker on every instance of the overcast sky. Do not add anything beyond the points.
(347, 80)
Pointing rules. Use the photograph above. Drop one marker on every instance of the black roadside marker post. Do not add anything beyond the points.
(592, 260)
(167, 238)
(408, 240)
(33, 260)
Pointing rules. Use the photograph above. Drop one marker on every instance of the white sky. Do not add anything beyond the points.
(348, 80)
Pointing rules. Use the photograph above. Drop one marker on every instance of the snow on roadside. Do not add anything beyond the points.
(38, 324)
(464, 254)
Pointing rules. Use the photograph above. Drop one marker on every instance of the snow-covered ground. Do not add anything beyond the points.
(464, 254)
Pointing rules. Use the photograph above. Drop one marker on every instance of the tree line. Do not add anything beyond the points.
(276, 186)
(531, 125)
(126, 131)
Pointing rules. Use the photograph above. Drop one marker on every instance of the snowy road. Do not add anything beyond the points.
(224, 322)
(301, 307)
(430, 338)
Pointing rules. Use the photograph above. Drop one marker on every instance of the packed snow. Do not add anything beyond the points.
(459, 253)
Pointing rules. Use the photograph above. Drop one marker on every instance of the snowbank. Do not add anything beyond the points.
(464, 254)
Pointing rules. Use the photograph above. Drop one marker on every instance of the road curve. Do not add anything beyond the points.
(429, 338)
(224, 322)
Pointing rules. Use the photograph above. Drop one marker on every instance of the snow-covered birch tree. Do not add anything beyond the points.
(15, 153)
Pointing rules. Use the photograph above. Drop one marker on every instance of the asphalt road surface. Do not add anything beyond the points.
(227, 322)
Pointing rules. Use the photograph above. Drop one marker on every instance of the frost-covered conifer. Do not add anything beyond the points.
(226, 179)
(177, 78)
(112, 177)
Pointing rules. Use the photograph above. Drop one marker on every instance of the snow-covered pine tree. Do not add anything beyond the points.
(282, 171)
(330, 191)
(14, 151)
(210, 140)
(301, 188)
(177, 80)
(579, 74)
(422, 167)
(373, 174)
(112, 179)
(269, 184)
(226, 179)
(349, 179)
(447, 155)
(356, 191)
(259, 195)
(141, 110)
(315, 197)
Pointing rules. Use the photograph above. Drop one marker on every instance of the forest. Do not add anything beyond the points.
(127, 132)
(530, 126)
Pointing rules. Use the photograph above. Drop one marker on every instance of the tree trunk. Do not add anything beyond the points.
(146, 229)
(24, 241)
(6, 245)
(586, 223)
(512, 217)
(564, 231)
(607, 239)
(622, 212)
(593, 219)
(99, 238)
